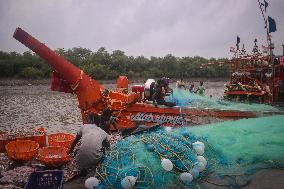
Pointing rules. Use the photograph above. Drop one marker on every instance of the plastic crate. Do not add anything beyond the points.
(60, 139)
(51, 179)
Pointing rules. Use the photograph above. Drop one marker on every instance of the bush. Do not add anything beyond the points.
(6, 68)
(31, 73)
(104, 65)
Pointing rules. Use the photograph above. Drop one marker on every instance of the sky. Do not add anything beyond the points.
(205, 28)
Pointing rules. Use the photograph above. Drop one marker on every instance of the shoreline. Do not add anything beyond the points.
(46, 81)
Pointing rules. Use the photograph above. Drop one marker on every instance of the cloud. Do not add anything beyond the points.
(141, 27)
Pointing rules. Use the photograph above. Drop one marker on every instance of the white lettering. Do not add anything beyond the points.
(161, 119)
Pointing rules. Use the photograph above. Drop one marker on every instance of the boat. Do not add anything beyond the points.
(127, 106)
(257, 77)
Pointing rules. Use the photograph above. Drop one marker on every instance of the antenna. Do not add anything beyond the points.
(268, 37)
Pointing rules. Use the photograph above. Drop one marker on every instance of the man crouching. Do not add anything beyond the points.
(94, 141)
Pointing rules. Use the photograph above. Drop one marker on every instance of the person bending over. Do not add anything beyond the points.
(94, 141)
(160, 92)
(104, 121)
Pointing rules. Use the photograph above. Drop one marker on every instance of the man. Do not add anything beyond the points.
(180, 84)
(201, 89)
(103, 121)
(94, 140)
(191, 88)
(160, 92)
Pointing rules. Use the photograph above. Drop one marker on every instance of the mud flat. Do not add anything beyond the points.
(31, 104)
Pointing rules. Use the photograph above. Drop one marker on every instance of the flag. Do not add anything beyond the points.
(238, 41)
(272, 25)
(232, 49)
(265, 5)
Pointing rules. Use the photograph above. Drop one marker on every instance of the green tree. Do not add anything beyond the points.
(104, 65)
(31, 73)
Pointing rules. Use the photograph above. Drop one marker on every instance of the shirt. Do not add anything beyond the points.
(159, 93)
(201, 90)
(90, 151)
(180, 83)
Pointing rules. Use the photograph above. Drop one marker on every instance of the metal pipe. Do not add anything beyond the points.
(87, 90)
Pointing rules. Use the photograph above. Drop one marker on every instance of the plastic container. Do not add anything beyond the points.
(22, 150)
(41, 137)
(3, 141)
(122, 82)
(53, 156)
(137, 88)
(60, 139)
(45, 180)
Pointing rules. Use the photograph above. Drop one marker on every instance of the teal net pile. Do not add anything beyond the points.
(140, 156)
(244, 146)
(184, 98)
(233, 149)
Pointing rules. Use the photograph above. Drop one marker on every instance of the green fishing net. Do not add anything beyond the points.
(184, 98)
(234, 149)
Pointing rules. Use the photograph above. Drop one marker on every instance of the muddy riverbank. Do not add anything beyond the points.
(31, 104)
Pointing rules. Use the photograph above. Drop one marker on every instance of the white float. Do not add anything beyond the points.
(186, 178)
(167, 164)
(128, 182)
(198, 147)
(199, 166)
(92, 182)
(202, 160)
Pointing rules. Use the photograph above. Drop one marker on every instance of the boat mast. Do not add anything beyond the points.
(270, 53)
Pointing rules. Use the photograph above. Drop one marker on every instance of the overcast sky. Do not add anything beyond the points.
(141, 27)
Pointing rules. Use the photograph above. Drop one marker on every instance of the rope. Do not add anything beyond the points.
(77, 83)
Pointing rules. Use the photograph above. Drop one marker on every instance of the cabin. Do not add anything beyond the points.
(256, 78)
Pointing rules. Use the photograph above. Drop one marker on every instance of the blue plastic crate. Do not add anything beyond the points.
(51, 179)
